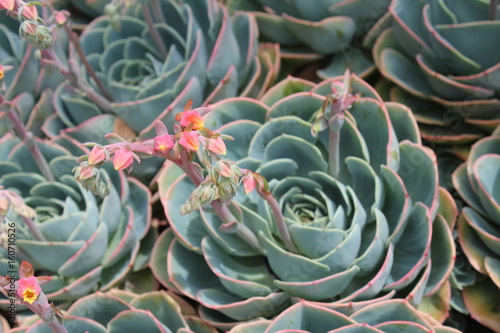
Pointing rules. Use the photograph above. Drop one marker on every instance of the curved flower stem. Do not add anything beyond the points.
(19, 72)
(157, 12)
(280, 221)
(95, 97)
(223, 212)
(27, 137)
(41, 307)
(34, 229)
(73, 38)
(493, 10)
(154, 33)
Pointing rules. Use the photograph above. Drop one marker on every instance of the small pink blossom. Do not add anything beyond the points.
(163, 143)
(61, 17)
(7, 4)
(122, 159)
(249, 183)
(28, 289)
(86, 172)
(190, 141)
(29, 12)
(192, 117)
(97, 155)
(217, 146)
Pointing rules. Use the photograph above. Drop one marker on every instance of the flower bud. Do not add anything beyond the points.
(28, 12)
(7, 4)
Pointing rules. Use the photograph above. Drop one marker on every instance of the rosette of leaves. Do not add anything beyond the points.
(339, 32)
(22, 78)
(439, 55)
(122, 311)
(384, 316)
(164, 54)
(370, 232)
(477, 181)
(85, 243)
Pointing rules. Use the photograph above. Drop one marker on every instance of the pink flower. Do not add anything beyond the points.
(86, 172)
(217, 146)
(122, 159)
(189, 140)
(163, 143)
(29, 12)
(61, 17)
(97, 154)
(28, 289)
(249, 183)
(7, 4)
(192, 117)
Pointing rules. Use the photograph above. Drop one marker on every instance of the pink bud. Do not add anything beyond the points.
(217, 146)
(61, 17)
(28, 289)
(193, 117)
(163, 143)
(97, 154)
(122, 159)
(7, 4)
(189, 140)
(29, 12)
(86, 172)
(249, 182)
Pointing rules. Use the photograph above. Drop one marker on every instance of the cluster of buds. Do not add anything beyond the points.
(11, 201)
(32, 26)
(331, 115)
(189, 144)
(221, 183)
(26, 288)
(115, 10)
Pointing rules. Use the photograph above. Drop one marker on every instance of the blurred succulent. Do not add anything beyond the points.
(385, 316)
(83, 242)
(22, 78)
(478, 183)
(340, 32)
(139, 74)
(439, 54)
(122, 311)
(369, 232)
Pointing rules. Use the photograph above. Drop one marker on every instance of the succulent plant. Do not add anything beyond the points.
(122, 311)
(477, 182)
(84, 242)
(139, 74)
(385, 316)
(439, 55)
(359, 203)
(337, 31)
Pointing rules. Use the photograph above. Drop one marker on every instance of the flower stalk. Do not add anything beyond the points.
(73, 38)
(279, 220)
(493, 10)
(27, 137)
(154, 32)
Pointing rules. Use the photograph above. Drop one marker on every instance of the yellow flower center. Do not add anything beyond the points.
(29, 295)
(1, 74)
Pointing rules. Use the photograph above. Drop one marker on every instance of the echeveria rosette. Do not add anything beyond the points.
(207, 56)
(337, 31)
(371, 233)
(87, 243)
(478, 181)
(439, 54)
(384, 316)
(119, 311)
